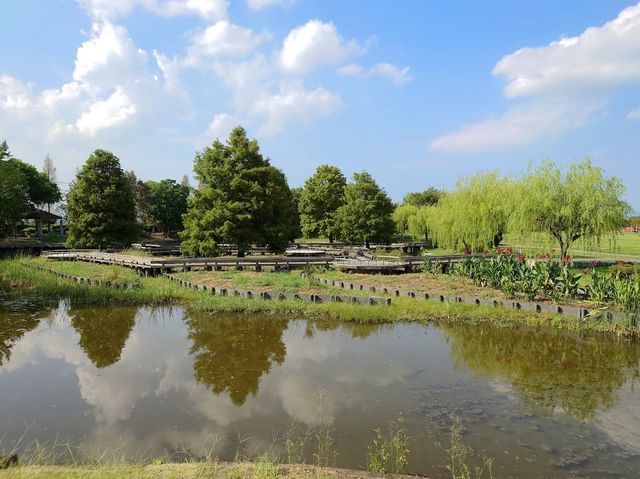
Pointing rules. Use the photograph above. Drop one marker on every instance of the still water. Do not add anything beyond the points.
(164, 382)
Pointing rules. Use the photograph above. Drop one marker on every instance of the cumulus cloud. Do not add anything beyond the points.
(316, 44)
(598, 59)
(521, 125)
(112, 9)
(293, 104)
(222, 39)
(116, 94)
(399, 76)
(106, 113)
(567, 82)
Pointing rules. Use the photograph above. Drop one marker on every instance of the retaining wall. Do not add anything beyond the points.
(83, 280)
(534, 307)
(266, 295)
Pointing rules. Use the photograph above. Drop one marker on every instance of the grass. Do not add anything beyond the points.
(260, 281)
(16, 279)
(627, 245)
(263, 469)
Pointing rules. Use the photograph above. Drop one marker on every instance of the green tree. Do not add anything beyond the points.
(40, 189)
(322, 195)
(419, 223)
(428, 197)
(167, 204)
(241, 199)
(100, 205)
(475, 215)
(4, 150)
(140, 191)
(402, 215)
(296, 193)
(366, 213)
(14, 200)
(580, 204)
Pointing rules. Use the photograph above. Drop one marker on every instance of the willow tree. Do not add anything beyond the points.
(580, 204)
(419, 223)
(402, 215)
(475, 215)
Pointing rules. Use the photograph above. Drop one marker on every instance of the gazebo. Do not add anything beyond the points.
(42, 217)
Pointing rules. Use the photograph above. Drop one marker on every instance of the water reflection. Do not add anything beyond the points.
(12, 328)
(103, 332)
(550, 370)
(161, 380)
(232, 353)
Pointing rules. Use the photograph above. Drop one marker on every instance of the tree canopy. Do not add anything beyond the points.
(14, 201)
(428, 197)
(167, 203)
(580, 204)
(100, 206)
(365, 216)
(322, 195)
(241, 199)
(40, 190)
(22, 188)
(475, 215)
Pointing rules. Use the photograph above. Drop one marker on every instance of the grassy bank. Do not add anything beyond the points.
(211, 469)
(16, 279)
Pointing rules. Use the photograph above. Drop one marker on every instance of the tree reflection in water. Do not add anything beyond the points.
(12, 327)
(548, 368)
(103, 332)
(232, 352)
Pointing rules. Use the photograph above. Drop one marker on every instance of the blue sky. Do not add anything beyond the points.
(417, 93)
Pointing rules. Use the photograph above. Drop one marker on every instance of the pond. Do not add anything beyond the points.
(164, 382)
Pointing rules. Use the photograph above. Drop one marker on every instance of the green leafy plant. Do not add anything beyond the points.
(388, 452)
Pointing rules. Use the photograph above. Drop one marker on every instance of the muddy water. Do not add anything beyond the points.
(167, 383)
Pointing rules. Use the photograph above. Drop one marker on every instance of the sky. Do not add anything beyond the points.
(417, 93)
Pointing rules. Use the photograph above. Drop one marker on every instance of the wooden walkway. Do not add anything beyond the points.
(153, 266)
(158, 265)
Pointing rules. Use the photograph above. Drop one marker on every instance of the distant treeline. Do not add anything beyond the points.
(241, 198)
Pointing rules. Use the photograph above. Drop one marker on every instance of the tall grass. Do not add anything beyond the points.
(389, 450)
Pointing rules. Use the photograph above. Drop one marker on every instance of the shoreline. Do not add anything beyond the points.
(192, 470)
(19, 279)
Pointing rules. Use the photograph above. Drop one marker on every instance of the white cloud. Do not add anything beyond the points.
(115, 96)
(520, 125)
(316, 44)
(293, 104)
(634, 115)
(220, 127)
(106, 113)
(399, 76)
(112, 9)
(222, 39)
(598, 59)
(393, 73)
(567, 82)
(261, 4)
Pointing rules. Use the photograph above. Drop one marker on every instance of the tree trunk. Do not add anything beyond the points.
(367, 243)
(330, 237)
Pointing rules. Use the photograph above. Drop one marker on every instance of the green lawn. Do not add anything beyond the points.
(627, 245)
